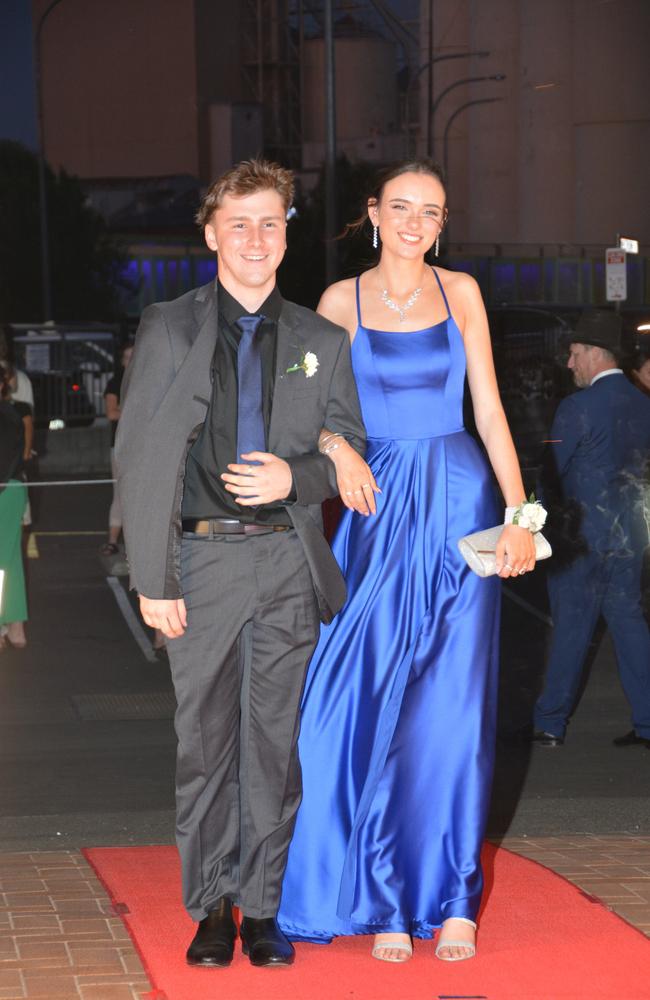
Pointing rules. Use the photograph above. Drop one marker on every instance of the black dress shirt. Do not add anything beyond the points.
(204, 494)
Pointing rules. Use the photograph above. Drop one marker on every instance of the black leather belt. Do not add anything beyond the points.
(225, 526)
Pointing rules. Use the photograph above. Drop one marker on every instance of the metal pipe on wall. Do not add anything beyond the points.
(331, 248)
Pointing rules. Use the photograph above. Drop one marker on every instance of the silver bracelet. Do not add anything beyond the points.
(327, 444)
(331, 447)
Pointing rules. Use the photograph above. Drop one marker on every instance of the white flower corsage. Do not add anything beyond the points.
(307, 364)
(529, 514)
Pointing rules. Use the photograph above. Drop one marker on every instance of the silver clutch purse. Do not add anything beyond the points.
(478, 550)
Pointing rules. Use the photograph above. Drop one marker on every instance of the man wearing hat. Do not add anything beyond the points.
(595, 472)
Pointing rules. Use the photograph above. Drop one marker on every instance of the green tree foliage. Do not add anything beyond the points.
(85, 260)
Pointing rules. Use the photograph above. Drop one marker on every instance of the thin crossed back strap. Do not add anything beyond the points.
(358, 301)
(442, 292)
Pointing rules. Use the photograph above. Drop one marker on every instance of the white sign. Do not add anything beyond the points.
(630, 246)
(615, 275)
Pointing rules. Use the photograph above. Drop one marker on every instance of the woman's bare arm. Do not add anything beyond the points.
(516, 547)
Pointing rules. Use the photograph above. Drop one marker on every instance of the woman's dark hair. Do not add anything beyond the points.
(639, 358)
(5, 375)
(422, 165)
(6, 344)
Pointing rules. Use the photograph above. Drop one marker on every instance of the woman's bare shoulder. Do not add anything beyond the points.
(458, 282)
(338, 303)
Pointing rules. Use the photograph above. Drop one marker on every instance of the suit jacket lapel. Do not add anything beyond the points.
(288, 351)
(205, 310)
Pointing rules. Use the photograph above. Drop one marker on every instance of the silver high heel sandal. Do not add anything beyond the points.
(448, 943)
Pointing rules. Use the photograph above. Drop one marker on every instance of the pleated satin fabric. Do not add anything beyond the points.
(399, 708)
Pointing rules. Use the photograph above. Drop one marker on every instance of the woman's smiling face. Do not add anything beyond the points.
(410, 214)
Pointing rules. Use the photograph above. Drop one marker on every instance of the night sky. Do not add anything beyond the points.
(17, 105)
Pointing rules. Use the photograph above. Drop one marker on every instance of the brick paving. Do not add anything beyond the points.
(60, 937)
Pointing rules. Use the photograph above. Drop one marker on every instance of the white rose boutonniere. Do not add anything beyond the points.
(530, 515)
(308, 364)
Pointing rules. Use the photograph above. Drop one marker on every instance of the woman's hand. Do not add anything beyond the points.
(515, 551)
(354, 479)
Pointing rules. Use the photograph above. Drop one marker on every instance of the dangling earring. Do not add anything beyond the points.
(437, 246)
(375, 234)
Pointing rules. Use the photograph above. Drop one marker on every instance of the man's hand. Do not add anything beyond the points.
(256, 484)
(169, 616)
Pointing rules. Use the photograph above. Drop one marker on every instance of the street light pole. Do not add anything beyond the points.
(331, 249)
(481, 54)
(445, 148)
(452, 118)
(42, 187)
(497, 77)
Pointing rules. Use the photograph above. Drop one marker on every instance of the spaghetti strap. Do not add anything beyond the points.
(358, 301)
(442, 292)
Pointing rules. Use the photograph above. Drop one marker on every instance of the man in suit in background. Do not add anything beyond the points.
(595, 476)
(221, 482)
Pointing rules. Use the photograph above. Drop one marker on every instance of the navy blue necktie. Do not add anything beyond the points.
(250, 420)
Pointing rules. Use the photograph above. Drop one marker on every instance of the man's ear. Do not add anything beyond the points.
(210, 237)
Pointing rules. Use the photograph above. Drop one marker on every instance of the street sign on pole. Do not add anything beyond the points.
(615, 275)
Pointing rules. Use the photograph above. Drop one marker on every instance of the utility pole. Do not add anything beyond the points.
(331, 221)
(430, 60)
(42, 187)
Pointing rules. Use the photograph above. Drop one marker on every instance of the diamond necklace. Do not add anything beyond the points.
(400, 310)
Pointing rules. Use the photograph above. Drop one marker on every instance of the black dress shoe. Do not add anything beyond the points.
(631, 739)
(214, 941)
(264, 942)
(543, 739)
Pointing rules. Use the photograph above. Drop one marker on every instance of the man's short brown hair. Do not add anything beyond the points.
(243, 179)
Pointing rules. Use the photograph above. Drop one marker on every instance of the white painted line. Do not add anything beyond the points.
(530, 608)
(61, 482)
(131, 618)
(66, 534)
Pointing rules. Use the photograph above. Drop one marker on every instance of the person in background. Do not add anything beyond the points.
(640, 370)
(19, 389)
(112, 402)
(594, 479)
(639, 375)
(13, 497)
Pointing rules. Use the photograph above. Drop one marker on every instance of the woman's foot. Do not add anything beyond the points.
(16, 635)
(457, 940)
(392, 947)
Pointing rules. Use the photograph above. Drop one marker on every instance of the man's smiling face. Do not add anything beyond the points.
(249, 235)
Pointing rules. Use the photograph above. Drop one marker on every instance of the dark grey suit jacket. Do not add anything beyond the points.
(165, 396)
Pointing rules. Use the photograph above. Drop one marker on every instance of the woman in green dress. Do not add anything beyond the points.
(13, 497)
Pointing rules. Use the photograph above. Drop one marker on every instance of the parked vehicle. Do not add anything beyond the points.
(68, 368)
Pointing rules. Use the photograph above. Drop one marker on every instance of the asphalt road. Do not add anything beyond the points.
(75, 771)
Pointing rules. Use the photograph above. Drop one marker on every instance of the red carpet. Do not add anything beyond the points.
(540, 939)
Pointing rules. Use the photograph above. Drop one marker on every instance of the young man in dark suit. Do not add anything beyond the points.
(595, 480)
(221, 482)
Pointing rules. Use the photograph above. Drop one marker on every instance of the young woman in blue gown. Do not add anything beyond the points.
(398, 722)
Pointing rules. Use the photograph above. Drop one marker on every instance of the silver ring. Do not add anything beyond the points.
(364, 485)
(349, 493)
(508, 566)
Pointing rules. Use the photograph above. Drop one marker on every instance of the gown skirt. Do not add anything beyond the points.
(399, 708)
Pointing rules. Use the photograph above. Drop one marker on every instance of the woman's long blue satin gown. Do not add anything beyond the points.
(398, 718)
